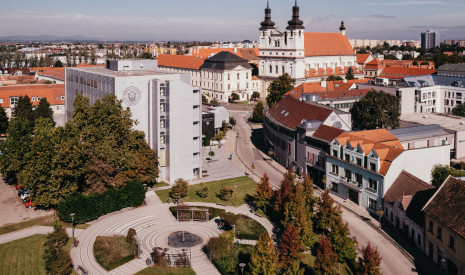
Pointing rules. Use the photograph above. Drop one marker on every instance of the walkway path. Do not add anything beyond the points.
(16, 235)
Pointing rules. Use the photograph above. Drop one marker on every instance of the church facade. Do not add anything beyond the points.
(305, 56)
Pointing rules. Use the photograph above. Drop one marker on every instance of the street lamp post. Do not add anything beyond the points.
(72, 224)
(235, 195)
(242, 265)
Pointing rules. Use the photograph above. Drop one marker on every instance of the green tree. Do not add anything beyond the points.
(204, 99)
(257, 114)
(371, 261)
(232, 121)
(23, 110)
(255, 95)
(207, 138)
(333, 78)
(3, 121)
(327, 213)
(43, 110)
(439, 174)
(278, 88)
(350, 74)
(58, 64)
(459, 110)
(342, 244)
(326, 258)
(234, 97)
(214, 101)
(56, 257)
(390, 57)
(146, 55)
(264, 259)
(263, 193)
(180, 189)
(376, 110)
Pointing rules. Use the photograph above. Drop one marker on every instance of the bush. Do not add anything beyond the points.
(203, 193)
(89, 208)
(131, 236)
(179, 190)
(232, 121)
(229, 220)
(113, 251)
(255, 95)
(234, 97)
(220, 246)
(257, 115)
(211, 153)
(225, 194)
(159, 256)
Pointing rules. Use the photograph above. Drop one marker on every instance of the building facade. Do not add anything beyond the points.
(430, 39)
(167, 108)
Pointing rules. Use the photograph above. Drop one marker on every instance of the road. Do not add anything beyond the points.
(393, 262)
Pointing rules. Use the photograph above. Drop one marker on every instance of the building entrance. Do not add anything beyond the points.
(353, 196)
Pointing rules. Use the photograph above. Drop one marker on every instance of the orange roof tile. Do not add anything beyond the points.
(180, 61)
(53, 93)
(251, 54)
(400, 72)
(324, 44)
(362, 57)
(374, 64)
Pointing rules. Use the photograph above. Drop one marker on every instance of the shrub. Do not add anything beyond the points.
(229, 220)
(113, 251)
(89, 208)
(220, 246)
(211, 153)
(179, 190)
(225, 194)
(255, 95)
(203, 193)
(232, 121)
(159, 256)
(234, 97)
(56, 257)
(131, 236)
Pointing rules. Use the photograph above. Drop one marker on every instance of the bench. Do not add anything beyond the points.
(76, 242)
(221, 204)
(84, 271)
(256, 214)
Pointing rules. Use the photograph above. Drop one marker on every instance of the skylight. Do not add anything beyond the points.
(286, 114)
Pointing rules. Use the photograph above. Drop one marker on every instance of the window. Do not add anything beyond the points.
(62, 97)
(372, 166)
(347, 157)
(162, 123)
(430, 227)
(276, 68)
(33, 98)
(238, 76)
(38, 98)
(162, 91)
(196, 153)
(451, 243)
(373, 184)
(439, 235)
(229, 76)
(271, 69)
(348, 174)
(162, 139)
(372, 204)
(359, 161)
(334, 187)
(162, 107)
(334, 153)
(229, 86)
(196, 123)
(335, 169)
(13, 100)
(358, 178)
(195, 138)
(1, 100)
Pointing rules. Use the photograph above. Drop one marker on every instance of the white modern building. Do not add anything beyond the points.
(167, 108)
(296, 52)
(430, 39)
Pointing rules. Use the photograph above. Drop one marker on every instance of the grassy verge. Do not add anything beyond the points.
(212, 212)
(247, 228)
(24, 256)
(230, 264)
(18, 226)
(458, 173)
(113, 251)
(245, 188)
(166, 271)
(308, 261)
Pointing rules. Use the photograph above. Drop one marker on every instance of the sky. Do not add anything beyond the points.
(228, 20)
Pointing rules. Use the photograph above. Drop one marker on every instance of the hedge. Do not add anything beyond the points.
(91, 207)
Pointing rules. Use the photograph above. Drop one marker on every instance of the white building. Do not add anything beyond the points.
(363, 165)
(295, 52)
(165, 105)
(430, 39)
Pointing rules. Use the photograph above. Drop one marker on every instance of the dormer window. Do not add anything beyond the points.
(347, 157)
(359, 161)
(335, 153)
(372, 166)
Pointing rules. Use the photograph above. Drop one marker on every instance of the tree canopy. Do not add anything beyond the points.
(264, 259)
(3, 121)
(278, 88)
(376, 110)
(257, 114)
(459, 110)
(439, 174)
(350, 74)
(43, 110)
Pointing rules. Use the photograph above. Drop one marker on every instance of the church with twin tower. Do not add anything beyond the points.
(305, 56)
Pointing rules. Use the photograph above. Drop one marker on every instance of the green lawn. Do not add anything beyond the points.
(166, 271)
(458, 173)
(24, 256)
(18, 226)
(113, 251)
(230, 264)
(245, 186)
(308, 261)
(248, 229)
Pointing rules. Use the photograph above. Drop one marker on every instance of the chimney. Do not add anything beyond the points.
(235, 50)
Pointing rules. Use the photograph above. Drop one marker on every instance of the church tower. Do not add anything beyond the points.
(295, 44)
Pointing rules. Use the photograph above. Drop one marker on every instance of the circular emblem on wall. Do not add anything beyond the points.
(131, 96)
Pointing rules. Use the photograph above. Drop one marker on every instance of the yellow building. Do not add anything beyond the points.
(445, 227)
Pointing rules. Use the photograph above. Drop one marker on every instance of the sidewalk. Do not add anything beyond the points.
(27, 232)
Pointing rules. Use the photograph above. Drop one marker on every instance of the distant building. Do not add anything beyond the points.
(430, 39)
(445, 226)
(460, 43)
(392, 75)
(362, 166)
(167, 108)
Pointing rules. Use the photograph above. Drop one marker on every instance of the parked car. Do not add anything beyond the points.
(29, 204)
(24, 196)
(18, 186)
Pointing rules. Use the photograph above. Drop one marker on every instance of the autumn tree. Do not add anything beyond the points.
(264, 259)
(342, 243)
(278, 88)
(290, 248)
(3, 121)
(284, 196)
(264, 192)
(326, 258)
(180, 189)
(56, 256)
(371, 261)
(327, 213)
(376, 110)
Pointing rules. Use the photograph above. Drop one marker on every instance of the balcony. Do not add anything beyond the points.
(351, 183)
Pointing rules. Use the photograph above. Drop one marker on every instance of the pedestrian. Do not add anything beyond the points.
(230, 156)
(169, 200)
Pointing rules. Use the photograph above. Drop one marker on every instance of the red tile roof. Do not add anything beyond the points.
(325, 44)
(290, 112)
(374, 64)
(53, 93)
(400, 72)
(362, 57)
(329, 91)
(405, 184)
(327, 133)
(321, 72)
(56, 73)
(448, 205)
(386, 145)
(180, 61)
(251, 54)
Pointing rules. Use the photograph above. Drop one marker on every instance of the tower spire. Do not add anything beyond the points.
(295, 23)
(267, 24)
(342, 28)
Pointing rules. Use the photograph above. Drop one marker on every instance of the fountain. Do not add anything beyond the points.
(182, 239)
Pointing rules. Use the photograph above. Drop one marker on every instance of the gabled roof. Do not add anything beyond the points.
(327, 133)
(53, 93)
(417, 203)
(374, 64)
(406, 184)
(448, 205)
(385, 144)
(400, 72)
(327, 44)
(291, 112)
(251, 54)
(180, 61)
(362, 57)
(325, 72)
